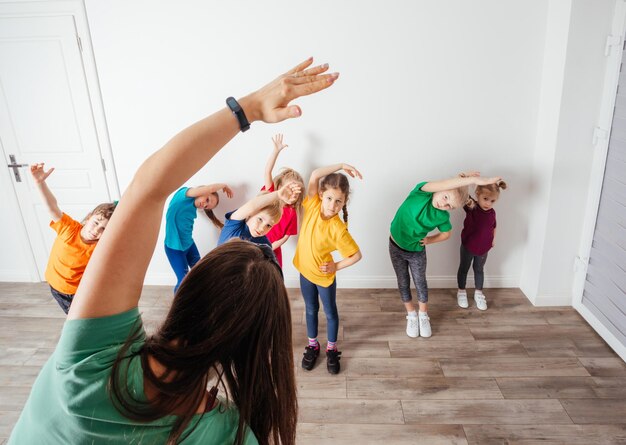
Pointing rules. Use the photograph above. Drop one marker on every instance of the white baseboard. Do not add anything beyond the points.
(551, 300)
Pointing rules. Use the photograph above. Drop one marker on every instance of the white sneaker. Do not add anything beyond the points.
(461, 299)
(481, 303)
(425, 330)
(412, 327)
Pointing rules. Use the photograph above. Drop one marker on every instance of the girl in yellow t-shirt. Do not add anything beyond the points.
(321, 233)
(74, 243)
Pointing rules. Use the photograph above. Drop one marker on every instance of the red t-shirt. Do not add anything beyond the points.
(288, 225)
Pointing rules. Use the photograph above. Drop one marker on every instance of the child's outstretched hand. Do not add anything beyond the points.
(278, 142)
(289, 192)
(487, 181)
(271, 103)
(38, 173)
(353, 172)
(469, 174)
(227, 191)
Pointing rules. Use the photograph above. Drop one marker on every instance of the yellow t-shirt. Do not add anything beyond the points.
(318, 238)
(69, 256)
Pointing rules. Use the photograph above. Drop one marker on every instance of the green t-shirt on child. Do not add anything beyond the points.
(415, 218)
(70, 402)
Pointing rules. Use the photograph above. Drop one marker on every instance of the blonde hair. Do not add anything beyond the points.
(274, 209)
(285, 176)
(489, 188)
(105, 210)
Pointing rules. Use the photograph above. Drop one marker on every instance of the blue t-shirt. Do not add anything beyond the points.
(179, 220)
(237, 228)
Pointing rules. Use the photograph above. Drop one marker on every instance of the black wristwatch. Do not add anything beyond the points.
(234, 106)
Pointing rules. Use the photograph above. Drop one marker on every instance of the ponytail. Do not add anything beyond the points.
(214, 219)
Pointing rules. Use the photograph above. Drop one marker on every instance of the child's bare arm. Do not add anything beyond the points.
(271, 161)
(332, 267)
(432, 239)
(258, 202)
(319, 173)
(456, 182)
(39, 176)
(204, 190)
(276, 244)
(113, 280)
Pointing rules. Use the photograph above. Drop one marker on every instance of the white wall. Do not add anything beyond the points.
(574, 70)
(427, 89)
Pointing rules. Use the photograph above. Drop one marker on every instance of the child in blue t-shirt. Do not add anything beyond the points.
(180, 248)
(255, 218)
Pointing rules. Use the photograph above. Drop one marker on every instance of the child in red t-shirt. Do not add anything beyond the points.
(288, 224)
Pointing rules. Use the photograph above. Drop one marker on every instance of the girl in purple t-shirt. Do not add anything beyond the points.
(477, 238)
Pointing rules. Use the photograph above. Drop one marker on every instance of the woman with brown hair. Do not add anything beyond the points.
(230, 318)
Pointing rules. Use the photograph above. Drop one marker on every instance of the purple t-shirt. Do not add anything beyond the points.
(478, 227)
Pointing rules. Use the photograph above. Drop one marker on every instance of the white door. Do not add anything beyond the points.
(46, 116)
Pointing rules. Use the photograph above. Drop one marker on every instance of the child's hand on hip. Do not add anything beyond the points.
(328, 268)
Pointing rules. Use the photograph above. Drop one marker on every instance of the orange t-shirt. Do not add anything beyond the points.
(69, 256)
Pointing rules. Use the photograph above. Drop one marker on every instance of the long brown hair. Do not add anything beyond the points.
(214, 219)
(338, 181)
(230, 315)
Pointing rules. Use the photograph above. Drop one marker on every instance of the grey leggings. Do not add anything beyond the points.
(403, 260)
(479, 262)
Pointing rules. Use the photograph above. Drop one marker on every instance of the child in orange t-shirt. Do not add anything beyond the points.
(74, 243)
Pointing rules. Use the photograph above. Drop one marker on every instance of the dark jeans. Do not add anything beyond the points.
(182, 261)
(403, 261)
(467, 258)
(328, 295)
(64, 300)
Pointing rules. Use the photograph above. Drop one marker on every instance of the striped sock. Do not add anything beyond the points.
(331, 346)
(314, 343)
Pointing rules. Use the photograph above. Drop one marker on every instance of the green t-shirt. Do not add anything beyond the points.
(70, 404)
(416, 217)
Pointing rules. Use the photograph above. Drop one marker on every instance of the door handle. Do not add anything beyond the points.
(15, 166)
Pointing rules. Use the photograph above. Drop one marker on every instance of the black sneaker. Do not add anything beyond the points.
(310, 357)
(332, 361)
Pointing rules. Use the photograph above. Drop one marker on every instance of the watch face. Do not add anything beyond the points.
(233, 104)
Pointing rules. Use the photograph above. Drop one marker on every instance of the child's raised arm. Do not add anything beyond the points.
(39, 176)
(204, 190)
(314, 180)
(458, 181)
(113, 280)
(271, 161)
(253, 206)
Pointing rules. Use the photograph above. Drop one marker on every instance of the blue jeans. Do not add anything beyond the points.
(64, 300)
(328, 295)
(181, 261)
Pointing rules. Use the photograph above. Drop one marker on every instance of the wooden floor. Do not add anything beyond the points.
(514, 374)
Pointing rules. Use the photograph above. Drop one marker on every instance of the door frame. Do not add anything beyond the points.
(596, 179)
(75, 9)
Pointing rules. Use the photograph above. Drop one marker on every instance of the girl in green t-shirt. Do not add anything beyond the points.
(424, 210)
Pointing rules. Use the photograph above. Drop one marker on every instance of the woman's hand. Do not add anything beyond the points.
(271, 103)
